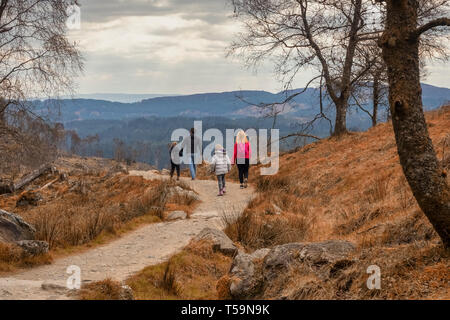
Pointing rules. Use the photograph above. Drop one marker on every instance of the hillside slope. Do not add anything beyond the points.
(350, 189)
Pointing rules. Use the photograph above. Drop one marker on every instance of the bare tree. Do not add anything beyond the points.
(373, 91)
(324, 35)
(407, 23)
(36, 57)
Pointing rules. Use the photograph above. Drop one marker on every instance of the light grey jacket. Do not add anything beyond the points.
(220, 162)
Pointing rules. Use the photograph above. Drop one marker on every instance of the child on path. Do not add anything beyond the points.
(220, 165)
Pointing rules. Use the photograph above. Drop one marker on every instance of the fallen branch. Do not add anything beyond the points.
(10, 187)
(32, 176)
(49, 184)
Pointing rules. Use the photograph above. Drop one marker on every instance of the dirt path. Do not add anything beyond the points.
(151, 244)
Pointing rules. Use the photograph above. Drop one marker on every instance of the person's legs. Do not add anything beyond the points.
(246, 168)
(192, 167)
(220, 183)
(241, 173)
(172, 169)
(223, 184)
(178, 168)
(195, 166)
(241, 168)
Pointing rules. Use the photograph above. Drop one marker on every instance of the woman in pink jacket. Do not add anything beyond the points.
(241, 157)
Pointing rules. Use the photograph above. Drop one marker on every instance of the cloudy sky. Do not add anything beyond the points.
(171, 46)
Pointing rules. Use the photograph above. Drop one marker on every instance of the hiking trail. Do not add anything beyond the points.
(149, 245)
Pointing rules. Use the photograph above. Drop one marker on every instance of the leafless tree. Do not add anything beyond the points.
(408, 23)
(323, 35)
(26, 142)
(330, 36)
(36, 57)
(372, 91)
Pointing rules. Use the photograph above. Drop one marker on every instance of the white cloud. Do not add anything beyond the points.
(170, 46)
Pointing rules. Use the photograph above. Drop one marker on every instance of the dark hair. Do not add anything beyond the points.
(192, 130)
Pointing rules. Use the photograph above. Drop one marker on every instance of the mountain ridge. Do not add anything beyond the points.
(231, 104)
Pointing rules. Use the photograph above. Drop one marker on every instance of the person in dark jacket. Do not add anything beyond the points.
(192, 145)
(174, 163)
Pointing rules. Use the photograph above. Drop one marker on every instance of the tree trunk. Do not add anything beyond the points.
(415, 148)
(340, 126)
(376, 99)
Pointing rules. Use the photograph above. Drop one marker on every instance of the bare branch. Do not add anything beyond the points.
(441, 22)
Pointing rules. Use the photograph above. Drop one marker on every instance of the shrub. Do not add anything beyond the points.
(101, 290)
(258, 231)
(274, 184)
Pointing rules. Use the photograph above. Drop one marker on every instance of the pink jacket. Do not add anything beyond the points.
(242, 151)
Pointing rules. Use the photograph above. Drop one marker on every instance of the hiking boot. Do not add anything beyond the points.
(224, 191)
(220, 193)
(245, 183)
(242, 186)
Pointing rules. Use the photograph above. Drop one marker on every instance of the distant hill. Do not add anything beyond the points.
(235, 104)
(117, 97)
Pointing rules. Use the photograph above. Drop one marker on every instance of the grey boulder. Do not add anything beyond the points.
(177, 190)
(126, 293)
(307, 256)
(33, 247)
(253, 274)
(14, 228)
(219, 239)
(176, 215)
(245, 280)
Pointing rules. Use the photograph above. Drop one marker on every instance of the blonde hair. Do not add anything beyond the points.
(219, 147)
(241, 137)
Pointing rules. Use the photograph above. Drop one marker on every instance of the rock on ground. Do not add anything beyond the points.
(220, 240)
(176, 215)
(245, 280)
(251, 275)
(177, 190)
(14, 228)
(126, 293)
(33, 247)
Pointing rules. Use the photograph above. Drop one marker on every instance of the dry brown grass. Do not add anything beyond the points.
(257, 231)
(351, 188)
(78, 218)
(101, 290)
(191, 274)
(13, 257)
(345, 186)
(92, 208)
